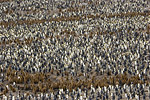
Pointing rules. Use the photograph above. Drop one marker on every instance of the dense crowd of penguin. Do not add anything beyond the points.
(75, 49)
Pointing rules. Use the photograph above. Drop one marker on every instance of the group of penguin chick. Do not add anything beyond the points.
(55, 82)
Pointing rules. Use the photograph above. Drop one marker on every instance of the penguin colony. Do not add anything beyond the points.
(75, 49)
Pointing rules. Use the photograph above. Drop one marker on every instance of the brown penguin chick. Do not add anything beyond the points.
(80, 74)
(13, 79)
(21, 79)
(51, 89)
(8, 71)
(91, 35)
(128, 82)
(96, 84)
(89, 85)
(22, 72)
(25, 87)
(34, 78)
(27, 94)
(44, 89)
(13, 73)
(25, 79)
(10, 41)
(12, 88)
(52, 71)
(40, 85)
(66, 73)
(30, 40)
(1, 94)
(70, 88)
(5, 90)
(57, 72)
(35, 89)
